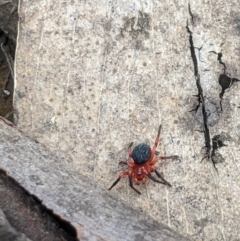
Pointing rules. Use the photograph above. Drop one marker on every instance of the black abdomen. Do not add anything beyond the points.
(141, 153)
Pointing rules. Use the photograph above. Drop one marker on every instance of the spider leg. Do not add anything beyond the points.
(129, 164)
(119, 178)
(123, 163)
(129, 154)
(162, 158)
(144, 179)
(168, 157)
(131, 185)
(156, 143)
(129, 149)
(160, 176)
(154, 179)
(154, 161)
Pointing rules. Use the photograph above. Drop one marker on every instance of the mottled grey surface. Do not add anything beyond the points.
(93, 76)
(7, 232)
(94, 213)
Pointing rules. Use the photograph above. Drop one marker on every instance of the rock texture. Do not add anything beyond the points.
(91, 210)
(93, 76)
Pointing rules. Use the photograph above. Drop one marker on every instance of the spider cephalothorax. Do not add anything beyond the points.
(141, 163)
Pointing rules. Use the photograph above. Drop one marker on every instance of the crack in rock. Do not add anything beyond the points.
(224, 80)
(201, 98)
(218, 142)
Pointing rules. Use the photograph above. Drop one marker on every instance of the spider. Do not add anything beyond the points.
(141, 163)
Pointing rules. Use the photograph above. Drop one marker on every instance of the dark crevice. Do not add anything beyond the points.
(4, 46)
(200, 96)
(221, 62)
(190, 12)
(26, 208)
(225, 80)
(218, 142)
(219, 58)
(8, 35)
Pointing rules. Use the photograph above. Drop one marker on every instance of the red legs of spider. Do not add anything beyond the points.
(141, 164)
(153, 169)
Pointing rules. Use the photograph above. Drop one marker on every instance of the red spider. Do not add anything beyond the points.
(141, 163)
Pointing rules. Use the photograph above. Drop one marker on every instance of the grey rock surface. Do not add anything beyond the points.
(7, 232)
(94, 213)
(93, 76)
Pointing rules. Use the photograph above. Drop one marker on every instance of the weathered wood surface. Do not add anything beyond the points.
(92, 76)
(94, 213)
